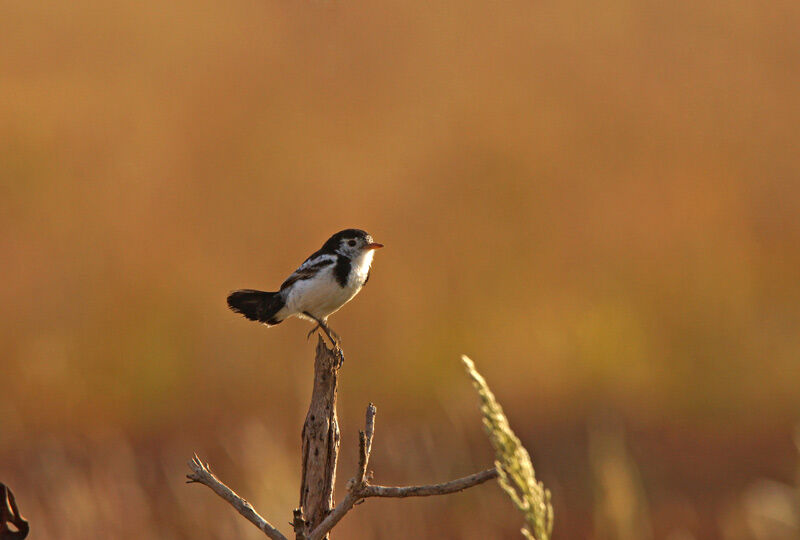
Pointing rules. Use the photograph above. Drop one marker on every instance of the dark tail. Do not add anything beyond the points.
(257, 305)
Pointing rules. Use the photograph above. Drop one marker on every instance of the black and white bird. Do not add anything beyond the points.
(326, 281)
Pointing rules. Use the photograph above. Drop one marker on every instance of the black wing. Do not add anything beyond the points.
(308, 269)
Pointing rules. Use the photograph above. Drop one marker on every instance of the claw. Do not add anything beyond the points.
(311, 332)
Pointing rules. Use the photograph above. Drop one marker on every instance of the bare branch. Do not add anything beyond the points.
(453, 486)
(202, 475)
(365, 443)
(359, 488)
(369, 425)
(335, 516)
(357, 494)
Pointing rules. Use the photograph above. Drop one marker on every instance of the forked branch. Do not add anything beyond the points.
(316, 516)
(359, 488)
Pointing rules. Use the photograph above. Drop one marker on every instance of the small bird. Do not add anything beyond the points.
(327, 280)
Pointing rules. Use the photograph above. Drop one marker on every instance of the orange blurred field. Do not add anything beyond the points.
(597, 202)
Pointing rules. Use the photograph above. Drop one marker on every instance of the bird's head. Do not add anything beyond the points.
(352, 243)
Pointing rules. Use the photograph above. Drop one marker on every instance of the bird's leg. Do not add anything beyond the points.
(330, 332)
(333, 336)
(335, 339)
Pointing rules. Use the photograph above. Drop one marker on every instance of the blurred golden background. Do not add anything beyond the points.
(597, 202)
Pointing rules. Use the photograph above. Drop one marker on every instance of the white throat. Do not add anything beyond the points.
(362, 263)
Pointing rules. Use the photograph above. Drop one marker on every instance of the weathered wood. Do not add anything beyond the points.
(320, 439)
(316, 515)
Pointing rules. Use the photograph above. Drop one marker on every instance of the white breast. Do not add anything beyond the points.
(322, 295)
(360, 269)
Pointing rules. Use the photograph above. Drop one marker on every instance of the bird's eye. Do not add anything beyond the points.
(351, 243)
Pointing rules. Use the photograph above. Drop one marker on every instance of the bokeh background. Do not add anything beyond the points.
(598, 202)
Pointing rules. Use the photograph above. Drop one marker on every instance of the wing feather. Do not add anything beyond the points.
(310, 268)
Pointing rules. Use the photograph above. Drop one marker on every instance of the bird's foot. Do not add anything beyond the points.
(336, 341)
(311, 332)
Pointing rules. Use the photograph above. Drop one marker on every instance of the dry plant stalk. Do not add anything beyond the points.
(316, 516)
(513, 463)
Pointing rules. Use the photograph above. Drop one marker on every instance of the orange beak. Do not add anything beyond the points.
(374, 245)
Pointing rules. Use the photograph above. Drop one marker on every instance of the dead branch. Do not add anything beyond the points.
(315, 516)
(453, 486)
(320, 438)
(203, 475)
(365, 443)
(359, 488)
(299, 524)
